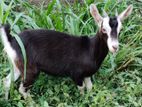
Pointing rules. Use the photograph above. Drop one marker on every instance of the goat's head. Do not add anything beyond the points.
(110, 26)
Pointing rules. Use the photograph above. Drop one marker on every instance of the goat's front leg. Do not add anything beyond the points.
(31, 75)
(80, 84)
(23, 91)
(88, 83)
(7, 81)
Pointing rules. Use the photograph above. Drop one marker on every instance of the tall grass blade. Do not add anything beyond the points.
(23, 52)
(7, 12)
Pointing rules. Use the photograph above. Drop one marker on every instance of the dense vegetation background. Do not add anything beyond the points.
(119, 80)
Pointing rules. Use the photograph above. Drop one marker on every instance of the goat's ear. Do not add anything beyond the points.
(126, 13)
(95, 13)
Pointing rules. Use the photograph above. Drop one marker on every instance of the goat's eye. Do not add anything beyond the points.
(103, 30)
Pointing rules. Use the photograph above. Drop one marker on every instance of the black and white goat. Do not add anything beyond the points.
(61, 54)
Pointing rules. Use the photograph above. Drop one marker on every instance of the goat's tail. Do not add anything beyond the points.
(5, 34)
(7, 39)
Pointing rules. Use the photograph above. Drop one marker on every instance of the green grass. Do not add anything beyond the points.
(119, 80)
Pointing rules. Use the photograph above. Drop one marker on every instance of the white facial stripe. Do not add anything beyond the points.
(106, 25)
(119, 25)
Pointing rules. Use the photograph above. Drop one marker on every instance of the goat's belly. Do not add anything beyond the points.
(55, 70)
(56, 73)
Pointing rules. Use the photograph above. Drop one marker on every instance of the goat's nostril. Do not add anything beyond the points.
(114, 47)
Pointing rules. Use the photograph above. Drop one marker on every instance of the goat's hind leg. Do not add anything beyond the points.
(7, 81)
(31, 75)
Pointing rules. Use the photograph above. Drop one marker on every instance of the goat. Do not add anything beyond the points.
(61, 54)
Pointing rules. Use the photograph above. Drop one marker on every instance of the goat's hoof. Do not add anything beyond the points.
(4, 82)
(6, 88)
(6, 95)
(82, 92)
(89, 88)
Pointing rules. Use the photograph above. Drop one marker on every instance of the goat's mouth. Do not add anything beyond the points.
(113, 49)
(113, 45)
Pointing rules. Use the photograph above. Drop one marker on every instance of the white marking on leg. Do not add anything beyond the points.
(88, 83)
(119, 25)
(8, 79)
(81, 88)
(7, 82)
(22, 91)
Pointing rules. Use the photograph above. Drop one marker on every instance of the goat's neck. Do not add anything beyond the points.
(99, 46)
